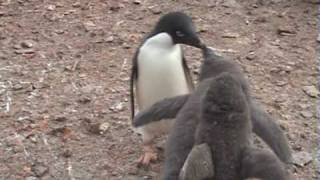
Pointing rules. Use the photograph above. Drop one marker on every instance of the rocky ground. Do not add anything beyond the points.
(64, 79)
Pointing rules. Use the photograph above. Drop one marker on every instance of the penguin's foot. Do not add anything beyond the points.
(149, 155)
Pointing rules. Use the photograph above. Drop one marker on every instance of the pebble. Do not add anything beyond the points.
(67, 153)
(89, 25)
(318, 38)
(302, 158)
(2, 13)
(109, 39)
(155, 9)
(251, 56)
(117, 107)
(137, 2)
(27, 44)
(31, 178)
(116, 6)
(76, 5)
(51, 7)
(230, 35)
(33, 139)
(311, 91)
(24, 51)
(103, 127)
(61, 119)
(285, 30)
(40, 170)
(281, 83)
(203, 28)
(84, 99)
(306, 114)
(230, 3)
(17, 87)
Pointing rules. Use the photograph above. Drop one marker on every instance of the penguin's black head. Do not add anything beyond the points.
(180, 27)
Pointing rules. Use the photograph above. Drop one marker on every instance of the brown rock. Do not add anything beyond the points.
(230, 35)
(311, 91)
(40, 170)
(286, 31)
(137, 2)
(27, 44)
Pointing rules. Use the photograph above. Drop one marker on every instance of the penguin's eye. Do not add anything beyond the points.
(180, 34)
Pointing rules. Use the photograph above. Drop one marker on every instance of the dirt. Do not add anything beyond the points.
(64, 79)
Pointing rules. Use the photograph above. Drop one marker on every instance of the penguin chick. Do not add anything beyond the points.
(225, 116)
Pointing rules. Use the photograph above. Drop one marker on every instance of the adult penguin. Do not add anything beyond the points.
(160, 71)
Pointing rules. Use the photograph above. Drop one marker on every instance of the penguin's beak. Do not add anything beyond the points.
(195, 42)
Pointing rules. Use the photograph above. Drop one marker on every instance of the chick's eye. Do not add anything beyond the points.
(180, 34)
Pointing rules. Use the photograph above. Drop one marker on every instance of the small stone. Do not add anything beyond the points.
(61, 119)
(115, 6)
(306, 114)
(33, 139)
(17, 46)
(76, 4)
(302, 158)
(93, 128)
(318, 38)
(24, 51)
(313, 1)
(51, 7)
(203, 28)
(31, 178)
(27, 44)
(230, 3)
(84, 99)
(59, 31)
(230, 35)
(2, 13)
(311, 91)
(67, 153)
(89, 25)
(59, 5)
(155, 9)
(117, 107)
(137, 2)
(261, 19)
(109, 39)
(126, 46)
(285, 30)
(17, 87)
(251, 56)
(40, 170)
(103, 127)
(281, 83)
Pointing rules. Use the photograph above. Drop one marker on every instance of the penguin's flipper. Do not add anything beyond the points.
(270, 132)
(133, 79)
(262, 164)
(165, 109)
(187, 74)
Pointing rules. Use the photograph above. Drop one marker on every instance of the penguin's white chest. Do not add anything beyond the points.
(161, 72)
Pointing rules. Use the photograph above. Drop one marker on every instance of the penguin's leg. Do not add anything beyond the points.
(165, 109)
(149, 151)
(262, 164)
(266, 128)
